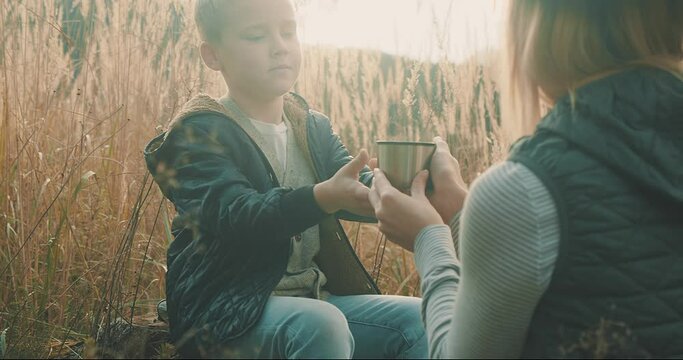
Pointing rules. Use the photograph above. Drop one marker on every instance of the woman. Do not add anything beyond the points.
(574, 245)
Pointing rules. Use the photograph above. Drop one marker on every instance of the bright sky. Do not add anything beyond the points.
(408, 27)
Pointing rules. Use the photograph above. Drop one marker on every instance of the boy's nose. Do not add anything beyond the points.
(279, 46)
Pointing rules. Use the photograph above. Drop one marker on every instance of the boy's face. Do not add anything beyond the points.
(259, 54)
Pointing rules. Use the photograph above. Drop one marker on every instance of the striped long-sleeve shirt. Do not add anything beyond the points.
(480, 303)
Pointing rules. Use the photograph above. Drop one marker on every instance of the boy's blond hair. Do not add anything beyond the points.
(209, 15)
(554, 47)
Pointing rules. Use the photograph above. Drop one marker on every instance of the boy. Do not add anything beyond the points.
(259, 267)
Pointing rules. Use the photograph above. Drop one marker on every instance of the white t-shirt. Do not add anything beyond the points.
(275, 135)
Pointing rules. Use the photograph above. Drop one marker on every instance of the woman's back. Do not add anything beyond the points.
(612, 162)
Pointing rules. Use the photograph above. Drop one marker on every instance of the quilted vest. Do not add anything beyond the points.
(612, 158)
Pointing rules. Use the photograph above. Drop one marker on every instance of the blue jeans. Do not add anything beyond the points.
(359, 326)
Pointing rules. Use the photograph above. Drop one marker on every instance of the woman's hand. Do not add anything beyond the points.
(450, 190)
(343, 191)
(401, 217)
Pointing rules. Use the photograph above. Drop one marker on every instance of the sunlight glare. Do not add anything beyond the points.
(424, 29)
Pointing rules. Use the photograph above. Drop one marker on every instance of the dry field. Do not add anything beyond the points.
(85, 84)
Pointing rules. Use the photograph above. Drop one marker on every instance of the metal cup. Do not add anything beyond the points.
(402, 160)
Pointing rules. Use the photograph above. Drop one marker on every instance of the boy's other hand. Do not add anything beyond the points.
(450, 190)
(401, 217)
(343, 191)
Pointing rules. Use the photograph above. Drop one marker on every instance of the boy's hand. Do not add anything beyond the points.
(450, 190)
(343, 191)
(402, 217)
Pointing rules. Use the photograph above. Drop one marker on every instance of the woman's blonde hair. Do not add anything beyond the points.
(554, 46)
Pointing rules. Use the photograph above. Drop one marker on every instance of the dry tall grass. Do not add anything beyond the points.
(85, 84)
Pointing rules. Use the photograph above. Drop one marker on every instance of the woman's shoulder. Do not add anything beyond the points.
(507, 187)
(510, 210)
(507, 172)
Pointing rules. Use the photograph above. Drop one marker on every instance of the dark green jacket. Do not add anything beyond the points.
(234, 221)
(613, 163)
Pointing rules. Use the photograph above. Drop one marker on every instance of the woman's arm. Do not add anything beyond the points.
(439, 269)
(509, 238)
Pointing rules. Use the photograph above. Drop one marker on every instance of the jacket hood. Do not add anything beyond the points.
(295, 107)
(631, 122)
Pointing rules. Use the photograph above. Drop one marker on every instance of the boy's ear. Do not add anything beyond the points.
(209, 56)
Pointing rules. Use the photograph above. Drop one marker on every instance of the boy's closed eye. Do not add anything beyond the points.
(254, 33)
(255, 37)
(257, 33)
(288, 30)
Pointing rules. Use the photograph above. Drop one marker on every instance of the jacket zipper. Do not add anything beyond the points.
(264, 159)
(273, 178)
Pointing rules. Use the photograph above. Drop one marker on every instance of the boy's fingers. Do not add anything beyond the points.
(364, 155)
(373, 196)
(356, 164)
(417, 189)
(373, 163)
(362, 192)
